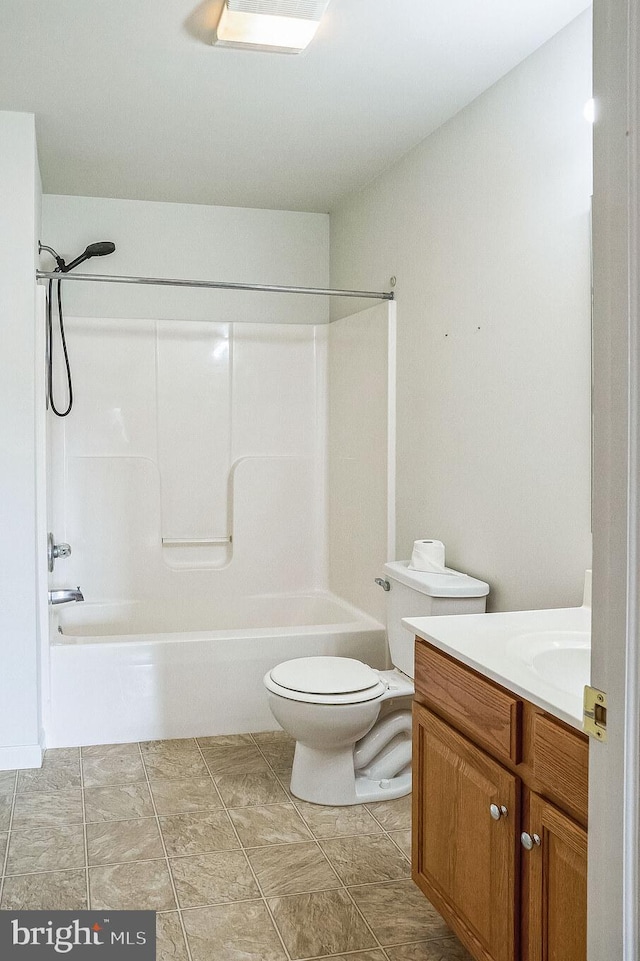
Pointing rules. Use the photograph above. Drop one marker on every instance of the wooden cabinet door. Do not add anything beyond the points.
(556, 881)
(463, 859)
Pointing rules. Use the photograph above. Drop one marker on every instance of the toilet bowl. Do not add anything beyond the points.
(351, 723)
(328, 722)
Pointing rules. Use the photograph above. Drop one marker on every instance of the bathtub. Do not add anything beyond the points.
(135, 671)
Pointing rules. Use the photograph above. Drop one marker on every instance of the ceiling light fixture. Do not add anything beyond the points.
(279, 26)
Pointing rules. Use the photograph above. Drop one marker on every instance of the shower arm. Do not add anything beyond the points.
(58, 259)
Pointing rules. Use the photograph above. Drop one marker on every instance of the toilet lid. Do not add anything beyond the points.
(325, 675)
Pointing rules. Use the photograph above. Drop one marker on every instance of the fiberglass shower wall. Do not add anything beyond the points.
(193, 448)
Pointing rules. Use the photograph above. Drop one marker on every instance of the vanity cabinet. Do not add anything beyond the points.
(556, 882)
(464, 858)
(499, 816)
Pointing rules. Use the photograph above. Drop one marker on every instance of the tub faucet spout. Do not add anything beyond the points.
(63, 596)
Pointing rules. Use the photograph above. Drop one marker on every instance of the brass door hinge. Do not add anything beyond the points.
(594, 715)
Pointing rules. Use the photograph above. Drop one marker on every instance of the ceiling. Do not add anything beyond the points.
(132, 101)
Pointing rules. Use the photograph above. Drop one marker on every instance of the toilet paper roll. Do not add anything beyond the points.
(428, 555)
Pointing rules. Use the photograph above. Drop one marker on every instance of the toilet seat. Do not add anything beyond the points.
(325, 680)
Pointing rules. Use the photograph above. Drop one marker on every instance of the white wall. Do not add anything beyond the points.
(19, 214)
(486, 225)
(196, 242)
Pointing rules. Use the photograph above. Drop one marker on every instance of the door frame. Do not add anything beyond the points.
(614, 864)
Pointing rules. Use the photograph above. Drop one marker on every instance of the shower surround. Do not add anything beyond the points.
(191, 481)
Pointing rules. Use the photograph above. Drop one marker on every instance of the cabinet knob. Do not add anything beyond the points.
(498, 812)
(530, 841)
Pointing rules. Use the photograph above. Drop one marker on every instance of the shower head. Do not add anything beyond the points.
(101, 249)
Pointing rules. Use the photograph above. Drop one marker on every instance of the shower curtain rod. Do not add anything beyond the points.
(167, 282)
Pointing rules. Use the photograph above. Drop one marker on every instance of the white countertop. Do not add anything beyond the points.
(541, 655)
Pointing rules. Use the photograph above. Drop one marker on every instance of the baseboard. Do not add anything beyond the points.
(22, 756)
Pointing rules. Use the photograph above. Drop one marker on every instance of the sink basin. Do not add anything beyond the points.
(572, 662)
(560, 658)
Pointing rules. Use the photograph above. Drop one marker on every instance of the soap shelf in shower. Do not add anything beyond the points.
(195, 541)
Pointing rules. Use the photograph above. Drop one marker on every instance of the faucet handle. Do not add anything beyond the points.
(54, 551)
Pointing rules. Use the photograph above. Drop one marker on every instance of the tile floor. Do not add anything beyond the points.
(205, 832)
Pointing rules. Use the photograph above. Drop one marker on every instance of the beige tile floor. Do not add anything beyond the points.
(205, 832)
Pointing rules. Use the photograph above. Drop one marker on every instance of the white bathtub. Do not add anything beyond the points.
(145, 670)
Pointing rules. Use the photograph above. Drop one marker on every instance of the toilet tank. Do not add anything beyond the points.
(421, 593)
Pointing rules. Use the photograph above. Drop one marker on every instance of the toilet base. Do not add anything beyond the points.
(384, 790)
(366, 792)
(329, 777)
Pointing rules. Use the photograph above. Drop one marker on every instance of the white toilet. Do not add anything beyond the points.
(351, 723)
